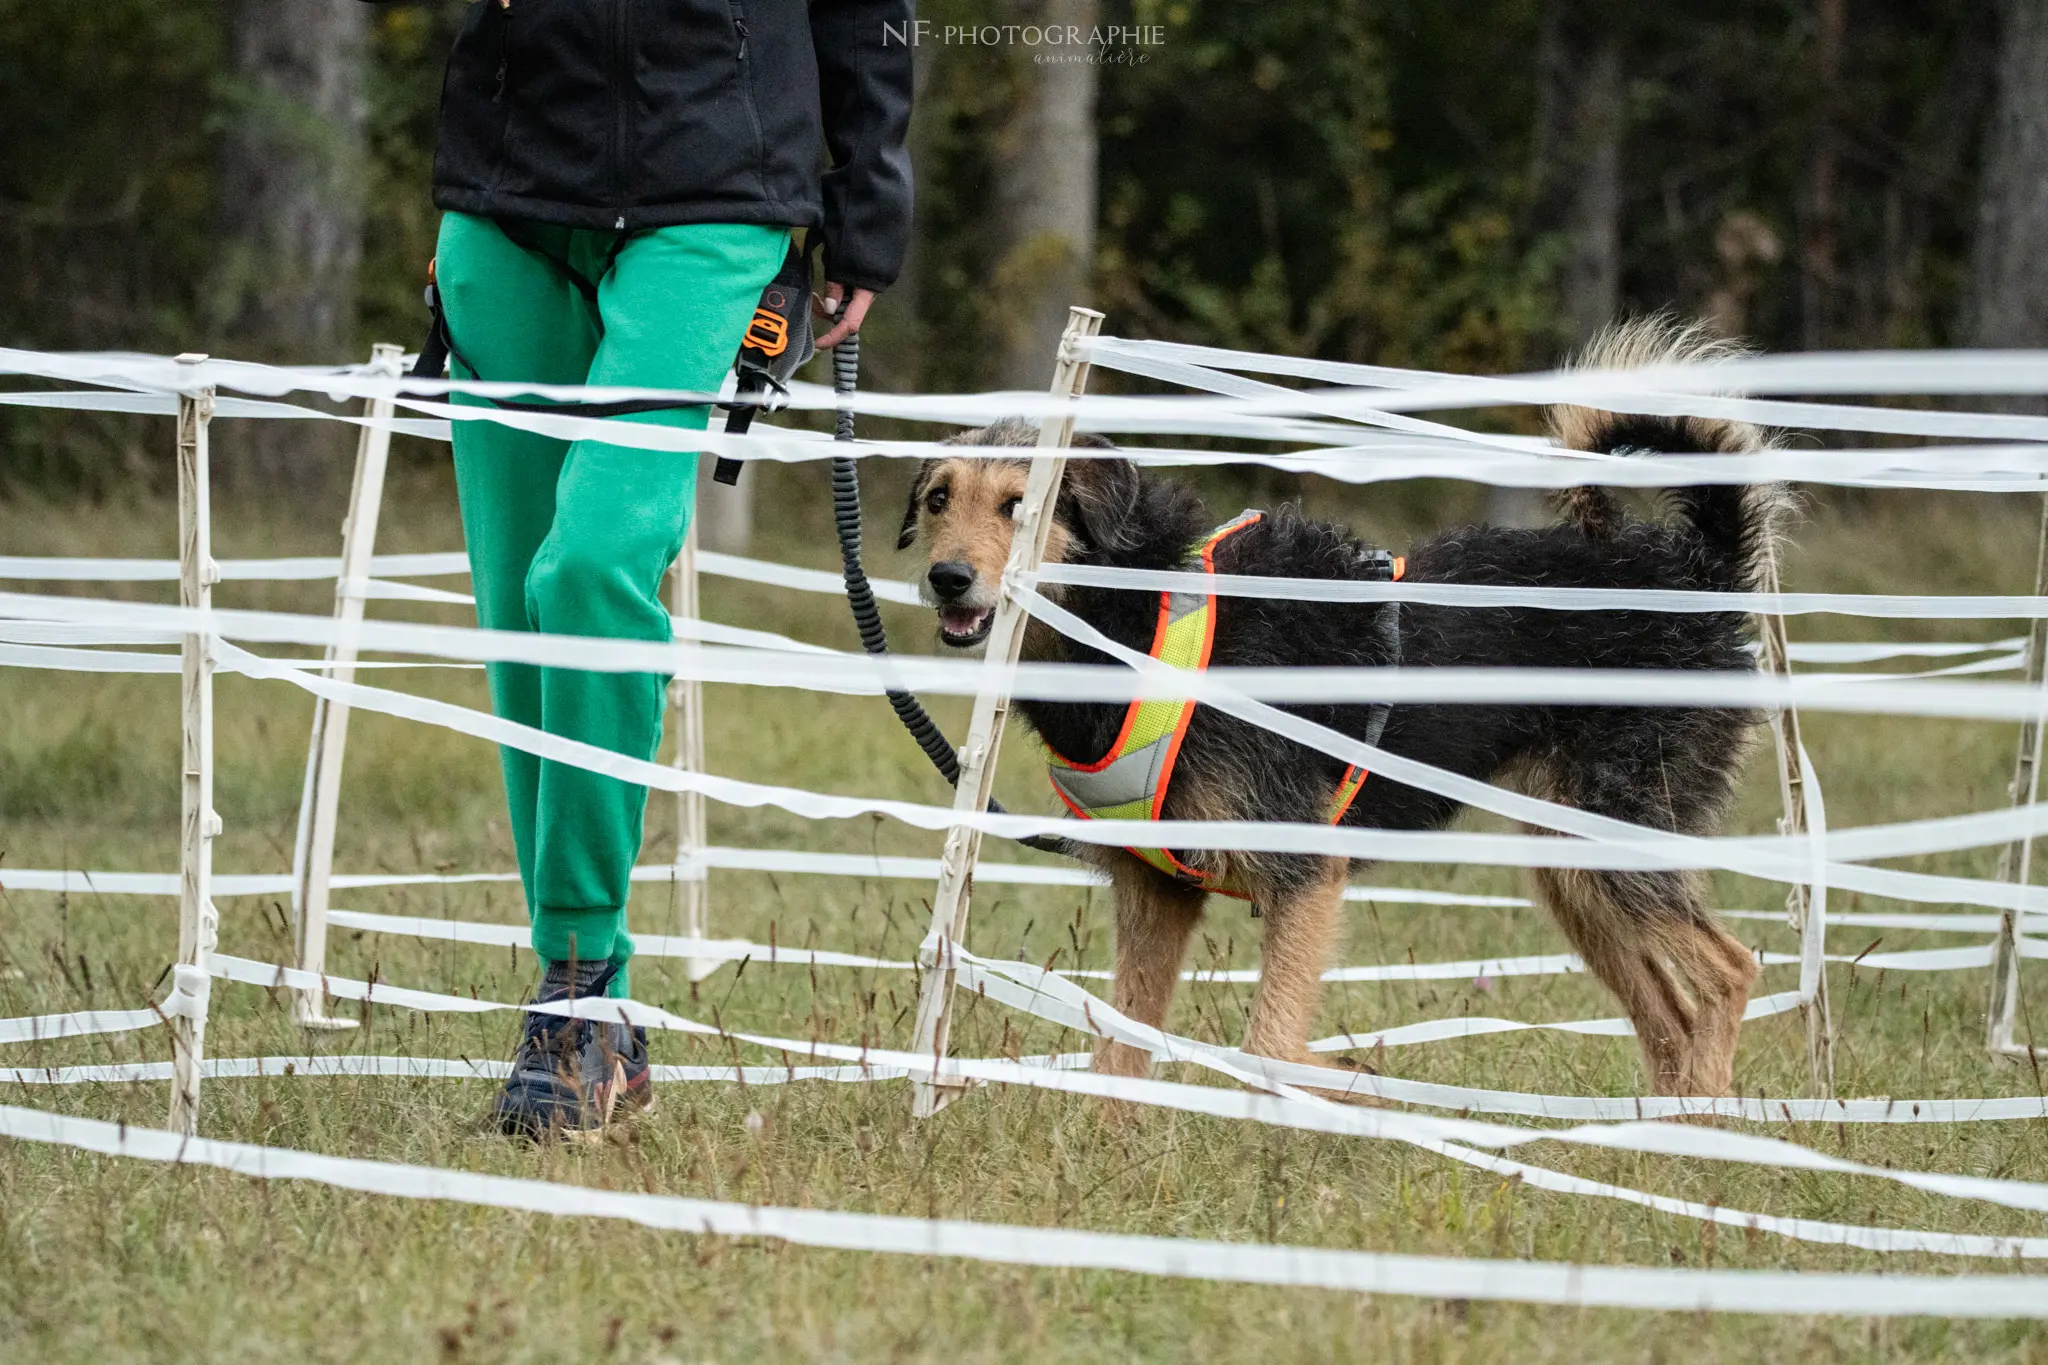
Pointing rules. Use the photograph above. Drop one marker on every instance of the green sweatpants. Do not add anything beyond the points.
(574, 538)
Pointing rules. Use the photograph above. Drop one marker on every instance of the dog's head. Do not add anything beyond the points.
(962, 508)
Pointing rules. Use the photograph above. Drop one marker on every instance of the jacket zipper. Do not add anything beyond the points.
(746, 78)
(622, 74)
(501, 33)
(501, 29)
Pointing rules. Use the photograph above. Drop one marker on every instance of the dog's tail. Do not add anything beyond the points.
(1738, 524)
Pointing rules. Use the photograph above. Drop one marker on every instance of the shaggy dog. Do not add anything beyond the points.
(1648, 936)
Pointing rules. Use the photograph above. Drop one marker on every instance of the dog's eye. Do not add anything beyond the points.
(935, 501)
(1009, 507)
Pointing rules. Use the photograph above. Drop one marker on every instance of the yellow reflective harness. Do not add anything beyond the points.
(1130, 781)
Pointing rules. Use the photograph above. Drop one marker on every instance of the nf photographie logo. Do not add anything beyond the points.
(1115, 43)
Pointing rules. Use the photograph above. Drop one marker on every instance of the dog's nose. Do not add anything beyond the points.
(950, 578)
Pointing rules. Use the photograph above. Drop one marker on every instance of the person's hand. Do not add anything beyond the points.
(849, 318)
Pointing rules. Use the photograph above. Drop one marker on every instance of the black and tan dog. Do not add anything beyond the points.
(1647, 935)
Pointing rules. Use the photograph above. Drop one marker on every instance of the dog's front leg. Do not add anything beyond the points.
(1155, 915)
(1301, 933)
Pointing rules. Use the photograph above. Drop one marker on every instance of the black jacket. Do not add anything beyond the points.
(648, 113)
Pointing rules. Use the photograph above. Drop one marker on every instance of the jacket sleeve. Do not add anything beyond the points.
(864, 51)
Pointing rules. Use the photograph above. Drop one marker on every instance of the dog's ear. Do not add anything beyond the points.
(906, 535)
(1099, 497)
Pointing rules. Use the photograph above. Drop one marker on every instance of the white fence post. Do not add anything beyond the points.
(320, 803)
(1820, 1028)
(692, 878)
(2015, 862)
(198, 923)
(985, 734)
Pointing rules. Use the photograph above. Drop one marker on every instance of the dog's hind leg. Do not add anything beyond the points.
(1684, 981)
(1154, 917)
(1720, 972)
(1615, 924)
(1301, 932)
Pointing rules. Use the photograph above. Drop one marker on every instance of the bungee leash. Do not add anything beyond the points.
(860, 595)
(778, 341)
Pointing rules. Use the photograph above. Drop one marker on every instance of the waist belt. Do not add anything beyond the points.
(775, 345)
(1130, 782)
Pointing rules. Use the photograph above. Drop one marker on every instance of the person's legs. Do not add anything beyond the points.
(515, 316)
(674, 305)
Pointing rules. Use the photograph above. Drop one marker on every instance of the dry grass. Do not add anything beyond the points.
(110, 1260)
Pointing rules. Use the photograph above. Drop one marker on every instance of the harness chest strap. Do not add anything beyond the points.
(1130, 781)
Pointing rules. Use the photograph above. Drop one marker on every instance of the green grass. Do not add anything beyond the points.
(110, 1260)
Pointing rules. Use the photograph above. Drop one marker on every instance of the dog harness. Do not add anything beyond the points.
(1131, 780)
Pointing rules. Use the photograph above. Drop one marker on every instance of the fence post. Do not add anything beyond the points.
(320, 802)
(692, 878)
(1820, 1029)
(2015, 861)
(198, 923)
(985, 734)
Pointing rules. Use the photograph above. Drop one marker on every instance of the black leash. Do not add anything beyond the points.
(778, 341)
(860, 595)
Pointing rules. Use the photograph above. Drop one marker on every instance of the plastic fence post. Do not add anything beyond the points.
(991, 708)
(1819, 1017)
(197, 921)
(692, 878)
(2015, 861)
(313, 860)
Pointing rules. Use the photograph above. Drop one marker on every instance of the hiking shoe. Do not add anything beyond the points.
(570, 1076)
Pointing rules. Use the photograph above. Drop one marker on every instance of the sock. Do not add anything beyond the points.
(579, 976)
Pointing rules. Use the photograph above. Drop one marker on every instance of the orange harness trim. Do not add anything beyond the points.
(1184, 638)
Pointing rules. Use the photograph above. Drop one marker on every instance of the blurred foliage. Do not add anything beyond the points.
(1346, 178)
(104, 205)
(1291, 178)
(408, 45)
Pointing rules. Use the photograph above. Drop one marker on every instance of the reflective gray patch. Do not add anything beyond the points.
(1134, 777)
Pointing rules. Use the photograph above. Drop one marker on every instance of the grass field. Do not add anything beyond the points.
(108, 1260)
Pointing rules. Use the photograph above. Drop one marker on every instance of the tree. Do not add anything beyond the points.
(1575, 181)
(1819, 281)
(2008, 296)
(1576, 158)
(1045, 192)
(288, 197)
(103, 213)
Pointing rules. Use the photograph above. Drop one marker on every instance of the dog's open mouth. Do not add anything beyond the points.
(965, 627)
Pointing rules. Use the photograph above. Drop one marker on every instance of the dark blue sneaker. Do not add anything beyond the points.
(570, 1076)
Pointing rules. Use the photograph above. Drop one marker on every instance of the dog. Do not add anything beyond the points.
(1648, 936)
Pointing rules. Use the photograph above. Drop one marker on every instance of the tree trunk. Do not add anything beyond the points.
(2009, 276)
(911, 296)
(1575, 174)
(1818, 277)
(1045, 195)
(289, 207)
(1592, 277)
(1577, 158)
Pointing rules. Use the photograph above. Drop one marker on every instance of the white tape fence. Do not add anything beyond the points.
(1360, 430)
